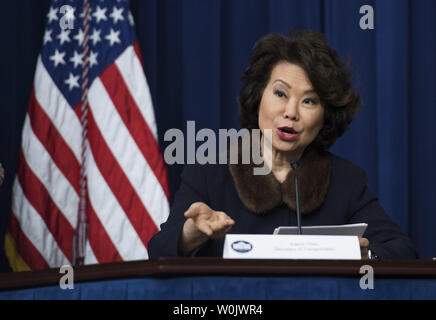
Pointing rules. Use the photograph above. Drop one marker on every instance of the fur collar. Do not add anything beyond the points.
(261, 193)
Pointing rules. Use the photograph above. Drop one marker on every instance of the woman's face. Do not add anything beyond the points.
(291, 108)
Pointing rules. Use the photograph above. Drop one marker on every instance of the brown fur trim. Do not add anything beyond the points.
(261, 193)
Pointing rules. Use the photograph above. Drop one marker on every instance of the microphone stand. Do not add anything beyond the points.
(294, 165)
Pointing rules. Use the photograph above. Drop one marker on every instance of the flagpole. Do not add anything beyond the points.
(82, 223)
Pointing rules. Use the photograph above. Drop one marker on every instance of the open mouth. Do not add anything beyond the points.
(287, 133)
(287, 130)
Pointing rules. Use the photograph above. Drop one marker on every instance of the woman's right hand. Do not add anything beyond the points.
(203, 223)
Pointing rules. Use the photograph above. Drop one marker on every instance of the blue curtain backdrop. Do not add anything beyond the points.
(194, 52)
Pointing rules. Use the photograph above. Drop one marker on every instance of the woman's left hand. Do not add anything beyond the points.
(364, 244)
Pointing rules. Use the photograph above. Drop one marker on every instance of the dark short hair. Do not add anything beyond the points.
(329, 76)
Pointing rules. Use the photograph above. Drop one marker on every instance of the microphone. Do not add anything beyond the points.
(294, 164)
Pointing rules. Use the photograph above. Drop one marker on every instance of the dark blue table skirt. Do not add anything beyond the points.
(238, 288)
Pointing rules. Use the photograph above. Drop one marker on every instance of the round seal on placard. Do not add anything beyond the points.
(242, 246)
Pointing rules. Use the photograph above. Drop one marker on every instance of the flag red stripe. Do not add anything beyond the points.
(25, 247)
(120, 184)
(102, 246)
(138, 52)
(53, 142)
(40, 199)
(139, 130)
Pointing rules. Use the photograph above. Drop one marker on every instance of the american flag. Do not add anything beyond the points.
(96, 62)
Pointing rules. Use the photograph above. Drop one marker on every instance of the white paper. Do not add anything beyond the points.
(265, 246)
(356, 229)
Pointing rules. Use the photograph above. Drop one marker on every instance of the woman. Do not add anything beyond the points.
(298, 87)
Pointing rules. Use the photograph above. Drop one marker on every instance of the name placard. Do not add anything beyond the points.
(265, 246)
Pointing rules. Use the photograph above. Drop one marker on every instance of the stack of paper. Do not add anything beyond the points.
(356, 229)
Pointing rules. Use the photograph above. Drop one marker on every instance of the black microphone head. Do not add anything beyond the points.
(294, 164)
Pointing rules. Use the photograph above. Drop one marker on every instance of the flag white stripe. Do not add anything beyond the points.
(89, 254)
(127, 153)
(59, 188)
(58, 109)
(131, 69)
(35, 229)
(112, 216)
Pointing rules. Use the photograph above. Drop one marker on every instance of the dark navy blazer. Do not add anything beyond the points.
(348, 200)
